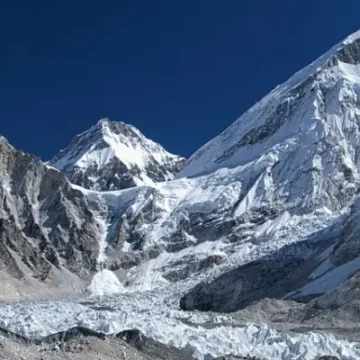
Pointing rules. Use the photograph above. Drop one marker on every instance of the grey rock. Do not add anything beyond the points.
(151, 347)
(44, 222)
(347, 247)
(86, 344)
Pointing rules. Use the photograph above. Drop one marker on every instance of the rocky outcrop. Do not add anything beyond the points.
(44, 222)
(152, 348)
(347, 247)
(83, 342)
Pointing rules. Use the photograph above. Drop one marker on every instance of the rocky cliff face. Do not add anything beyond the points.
(44, 222)
(113, 156)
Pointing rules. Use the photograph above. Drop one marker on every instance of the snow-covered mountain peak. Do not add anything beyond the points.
(104, 120)
(109, 127)
(314, 108)
(114, 155)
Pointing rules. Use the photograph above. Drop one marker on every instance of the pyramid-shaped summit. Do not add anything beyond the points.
(114, 155)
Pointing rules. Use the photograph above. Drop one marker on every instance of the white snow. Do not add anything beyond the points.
(102, 240)
(105, 282)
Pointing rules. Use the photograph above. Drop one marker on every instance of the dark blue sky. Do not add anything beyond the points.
(180, 71)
